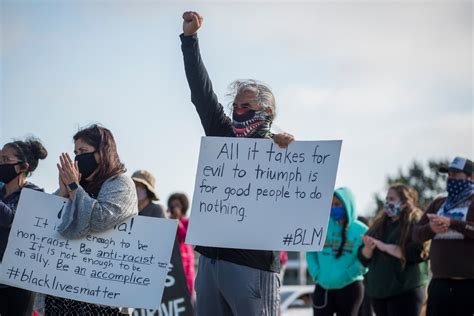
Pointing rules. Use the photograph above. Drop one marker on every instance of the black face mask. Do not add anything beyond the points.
(8, 172)
(87, 164)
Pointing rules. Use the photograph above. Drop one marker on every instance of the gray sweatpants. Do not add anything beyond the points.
(225, 289)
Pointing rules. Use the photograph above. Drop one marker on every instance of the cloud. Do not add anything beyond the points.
(360, 41)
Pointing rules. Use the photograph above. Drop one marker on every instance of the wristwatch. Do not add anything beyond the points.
(72, 186)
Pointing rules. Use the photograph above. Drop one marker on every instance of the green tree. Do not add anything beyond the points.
(425, 178)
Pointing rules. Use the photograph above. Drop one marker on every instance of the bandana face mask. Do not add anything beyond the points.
(392, 208)
(458, 192)
(251, 123)
(455, 187)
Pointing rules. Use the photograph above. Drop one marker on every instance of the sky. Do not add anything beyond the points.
(392, 79)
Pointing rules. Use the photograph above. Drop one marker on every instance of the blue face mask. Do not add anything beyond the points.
(338, 213)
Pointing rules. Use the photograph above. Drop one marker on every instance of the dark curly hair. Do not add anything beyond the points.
(30, 151)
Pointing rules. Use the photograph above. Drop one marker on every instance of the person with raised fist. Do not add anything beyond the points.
(232, 281)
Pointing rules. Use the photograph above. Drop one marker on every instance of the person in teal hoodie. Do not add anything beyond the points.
(336, 270)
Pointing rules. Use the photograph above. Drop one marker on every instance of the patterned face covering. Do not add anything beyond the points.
(250, 123)
(458, 192)
(392, 208)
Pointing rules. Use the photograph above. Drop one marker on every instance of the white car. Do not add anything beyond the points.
(296, 300)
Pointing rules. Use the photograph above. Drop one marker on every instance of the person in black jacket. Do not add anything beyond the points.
(232, 281)
(18, 160)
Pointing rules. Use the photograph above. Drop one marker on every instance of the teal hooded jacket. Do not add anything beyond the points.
(327, 270)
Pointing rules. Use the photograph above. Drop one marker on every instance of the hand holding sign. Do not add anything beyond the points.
(125, 266)
(283, 139)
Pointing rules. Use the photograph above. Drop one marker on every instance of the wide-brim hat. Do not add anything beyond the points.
(148, 180)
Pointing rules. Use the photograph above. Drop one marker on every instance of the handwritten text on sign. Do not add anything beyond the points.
(251, 194)
(125, 266)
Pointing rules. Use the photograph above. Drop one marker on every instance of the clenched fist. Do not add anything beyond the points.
(192, 21)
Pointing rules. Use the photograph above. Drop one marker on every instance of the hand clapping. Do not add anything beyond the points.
(439, 224)
(68, 172)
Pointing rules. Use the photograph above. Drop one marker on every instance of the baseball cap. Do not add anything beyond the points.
(458, 164)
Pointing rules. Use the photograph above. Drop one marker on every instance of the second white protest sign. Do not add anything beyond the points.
(125, 266)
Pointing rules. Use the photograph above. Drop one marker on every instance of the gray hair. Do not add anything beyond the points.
(264, 95)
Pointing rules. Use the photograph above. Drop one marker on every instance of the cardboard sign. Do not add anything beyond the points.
(251, 194)
(125, 266)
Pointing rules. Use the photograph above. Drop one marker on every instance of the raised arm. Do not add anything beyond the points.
(210, 111)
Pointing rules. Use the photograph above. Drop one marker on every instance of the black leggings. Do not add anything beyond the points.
(450, 297)
(343, 302)
(16, 302)
(408, 303)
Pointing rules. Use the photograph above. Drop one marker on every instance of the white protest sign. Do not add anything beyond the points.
(250, 194)
(125, 266)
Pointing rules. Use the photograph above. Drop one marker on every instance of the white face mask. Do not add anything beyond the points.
(141, 194)
(392, 208)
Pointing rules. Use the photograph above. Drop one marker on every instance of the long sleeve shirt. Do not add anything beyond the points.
(387, 277)
(451, 253)
(216, 123)
(117, 201)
